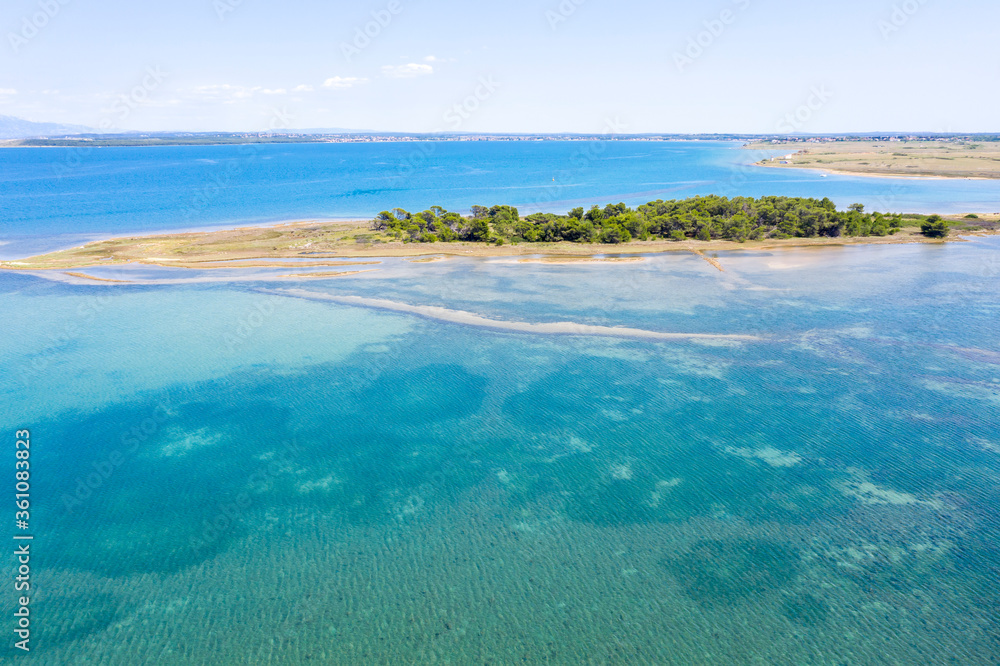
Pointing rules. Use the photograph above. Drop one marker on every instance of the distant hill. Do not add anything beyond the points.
(18, 128)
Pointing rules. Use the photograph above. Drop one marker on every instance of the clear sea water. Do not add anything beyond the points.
(222, 474)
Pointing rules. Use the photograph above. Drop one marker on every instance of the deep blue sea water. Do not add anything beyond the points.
(227, 473)
(52, 197)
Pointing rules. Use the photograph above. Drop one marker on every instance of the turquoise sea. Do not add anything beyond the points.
(231, 468)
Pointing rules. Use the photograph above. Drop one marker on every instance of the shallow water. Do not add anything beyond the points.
(222, 474)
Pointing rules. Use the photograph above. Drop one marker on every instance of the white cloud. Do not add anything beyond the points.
(266, 91)
(343, 82)
(303, 88)
(7, 91)
(226, 92)
(407, 71)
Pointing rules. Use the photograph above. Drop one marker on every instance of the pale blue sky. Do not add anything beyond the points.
(850, 65)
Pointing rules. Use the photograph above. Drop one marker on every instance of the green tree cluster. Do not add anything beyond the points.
(703, 218)
(934, 227)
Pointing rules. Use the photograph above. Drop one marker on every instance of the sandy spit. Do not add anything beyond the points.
(711, 260)
(324, 274)
(84, 276)
(472, 319)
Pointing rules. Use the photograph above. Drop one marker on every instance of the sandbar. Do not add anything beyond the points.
(472, 319)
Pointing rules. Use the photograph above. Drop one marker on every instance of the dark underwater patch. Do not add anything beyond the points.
(427, 394)
(123, 492)
(725, 573)
(63, 618)
(806, 610)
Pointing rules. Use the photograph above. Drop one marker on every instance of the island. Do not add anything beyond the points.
(695, 224)
(893, 157)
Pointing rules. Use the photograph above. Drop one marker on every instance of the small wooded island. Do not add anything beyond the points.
(695, 224)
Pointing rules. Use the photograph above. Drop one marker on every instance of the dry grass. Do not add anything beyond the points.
(926, 159)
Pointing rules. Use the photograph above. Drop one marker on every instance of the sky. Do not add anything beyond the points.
(589, 66)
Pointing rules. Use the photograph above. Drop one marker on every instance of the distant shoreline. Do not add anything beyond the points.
(103, 142)
(149, 139)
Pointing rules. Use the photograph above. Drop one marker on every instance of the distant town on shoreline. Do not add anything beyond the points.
(365, 136)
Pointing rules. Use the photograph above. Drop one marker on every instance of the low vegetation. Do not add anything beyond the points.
(951, 158)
